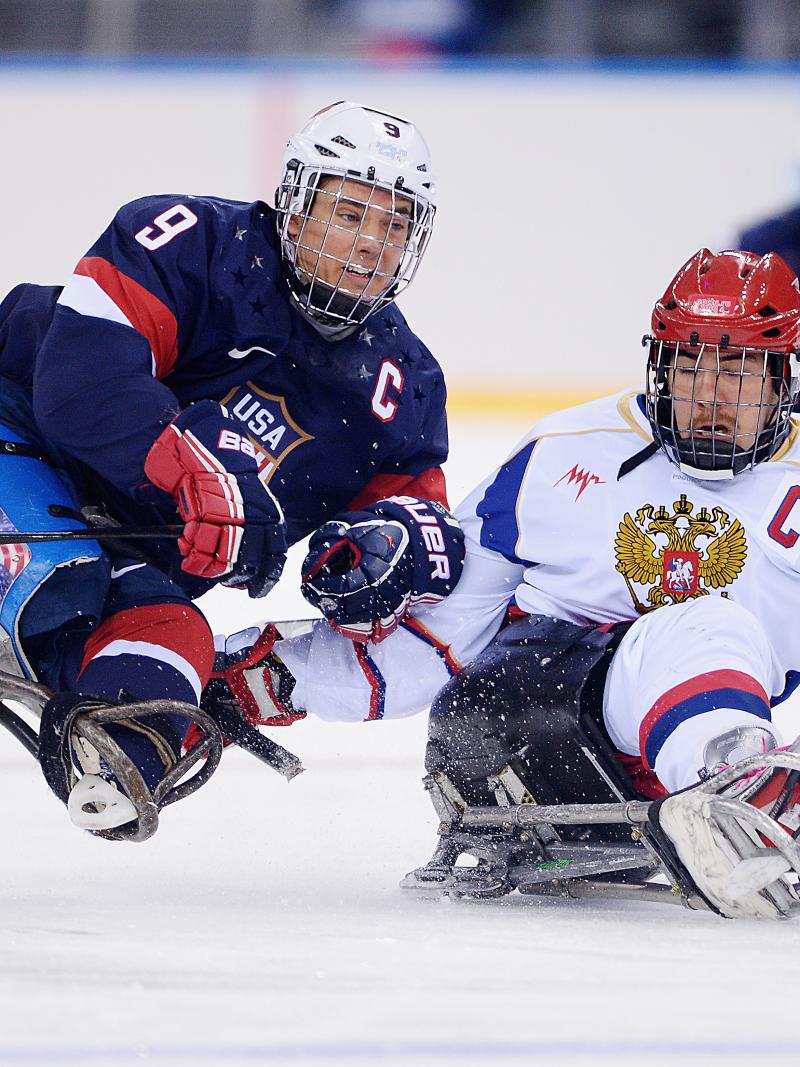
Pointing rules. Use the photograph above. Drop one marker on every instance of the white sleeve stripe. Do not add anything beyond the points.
(85, 296)
(228, 482)
(156, 652)
(207, 458)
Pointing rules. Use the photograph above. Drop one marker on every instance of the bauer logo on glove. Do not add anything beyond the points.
(365, 569)
(234, 526)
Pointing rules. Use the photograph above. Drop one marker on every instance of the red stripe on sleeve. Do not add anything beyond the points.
(177, 627)
(442, 650)
(430, 485)
(376, 690)
(701, 683)
(145, 312)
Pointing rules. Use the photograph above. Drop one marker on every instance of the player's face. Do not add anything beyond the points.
(353, 237)
(726, 395)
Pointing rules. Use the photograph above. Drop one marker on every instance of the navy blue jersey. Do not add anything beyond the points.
(780, 234)
(182, 298)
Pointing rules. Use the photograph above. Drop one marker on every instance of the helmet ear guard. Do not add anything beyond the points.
(367, 150)
(730, 319)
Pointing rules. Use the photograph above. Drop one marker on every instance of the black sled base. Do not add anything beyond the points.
(526, 784)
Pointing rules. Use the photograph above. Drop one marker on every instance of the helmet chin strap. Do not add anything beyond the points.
(329, 310)
(727, 460)
(703, 464)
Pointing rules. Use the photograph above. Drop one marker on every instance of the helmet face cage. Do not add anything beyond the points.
(725, 426)
(395, 222)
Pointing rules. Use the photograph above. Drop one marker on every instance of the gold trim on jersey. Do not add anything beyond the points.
(790, 442)
(517, 517)
(623, 406)
(273, 457)
(679, 555)
(624, 409)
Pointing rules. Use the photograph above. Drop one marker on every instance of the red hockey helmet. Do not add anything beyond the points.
(735, 299)
(722, 375)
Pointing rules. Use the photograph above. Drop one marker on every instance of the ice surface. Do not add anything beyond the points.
(263, 924)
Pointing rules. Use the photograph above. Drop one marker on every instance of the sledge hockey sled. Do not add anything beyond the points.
(489, 851)
(202, 760)
(750, 868)
(531, 795)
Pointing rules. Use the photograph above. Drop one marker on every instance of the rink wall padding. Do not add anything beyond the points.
(569, 194)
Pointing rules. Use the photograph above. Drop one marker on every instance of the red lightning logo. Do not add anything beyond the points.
(584, 478)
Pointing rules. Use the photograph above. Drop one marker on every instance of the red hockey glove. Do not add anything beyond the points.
(250, 676)
(234, 525)
(258, 680)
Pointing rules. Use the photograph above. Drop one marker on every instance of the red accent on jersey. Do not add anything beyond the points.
(442, 650)
(787, 538)
(430, 485)
(580, 477)
(145, 312)
(680, 572)
(177, 627)
(642, 778)
(376, 683)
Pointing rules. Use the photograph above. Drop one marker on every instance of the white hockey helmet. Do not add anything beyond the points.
(378, 163)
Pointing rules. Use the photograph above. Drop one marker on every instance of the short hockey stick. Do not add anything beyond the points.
(101, 533)
(16, 725)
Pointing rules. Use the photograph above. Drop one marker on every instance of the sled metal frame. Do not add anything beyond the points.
(549, 877)
(517, 846)
(89, 725)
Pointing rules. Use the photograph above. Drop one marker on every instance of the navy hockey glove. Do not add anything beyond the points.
(234, 525)
(366, 568)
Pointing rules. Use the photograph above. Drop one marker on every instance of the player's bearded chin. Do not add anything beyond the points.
(708, 443)
(710, 434)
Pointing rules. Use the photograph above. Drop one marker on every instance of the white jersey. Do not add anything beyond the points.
(580, 523)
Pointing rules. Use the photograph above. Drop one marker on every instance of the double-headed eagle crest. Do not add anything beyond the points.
(679, 555)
